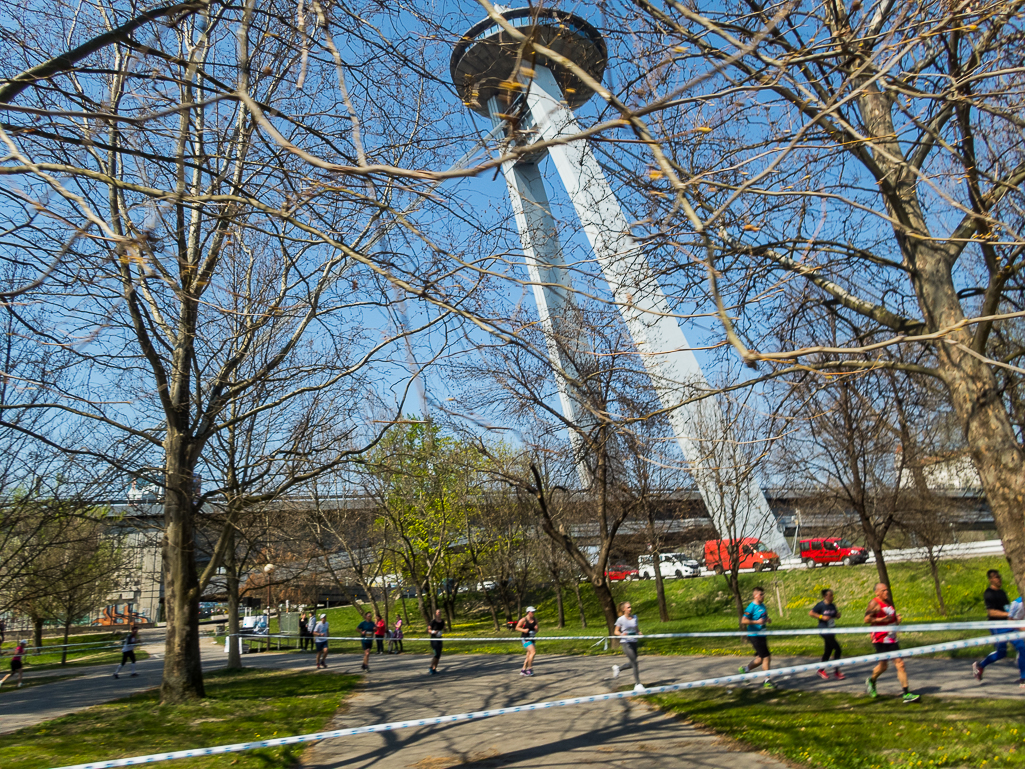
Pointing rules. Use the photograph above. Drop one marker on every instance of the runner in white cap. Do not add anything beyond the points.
(320, 633)
(527, 626)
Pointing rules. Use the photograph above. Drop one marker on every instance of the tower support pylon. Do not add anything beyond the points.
(725, 479)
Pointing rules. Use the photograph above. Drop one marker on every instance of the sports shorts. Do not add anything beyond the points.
(760, 644)
(528, 642)
(886, 647)
(321, 645)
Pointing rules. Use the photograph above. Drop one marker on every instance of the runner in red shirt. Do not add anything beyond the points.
(17, 666)
(880, 613)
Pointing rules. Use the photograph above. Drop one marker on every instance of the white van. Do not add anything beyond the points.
(670, 564)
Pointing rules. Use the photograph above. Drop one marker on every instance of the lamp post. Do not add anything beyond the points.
(268, 570)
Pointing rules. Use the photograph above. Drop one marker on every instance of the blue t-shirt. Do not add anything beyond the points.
(755, 612)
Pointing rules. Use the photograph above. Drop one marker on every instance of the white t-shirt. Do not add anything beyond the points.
(1016, 609)
(321, 627)
(627, 626)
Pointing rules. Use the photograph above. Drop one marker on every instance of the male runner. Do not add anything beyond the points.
(16, 664)
(128, 650)
(827, 614)
(755, 618)
(435, 629)
(320, 633)
(998, 606)
(881, 612)
(527, 627)
(366, 634)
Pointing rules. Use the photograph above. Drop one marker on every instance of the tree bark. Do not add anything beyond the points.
(580, 603)
(67, 632)
(183, 674)
(37, 632)
(656, 553)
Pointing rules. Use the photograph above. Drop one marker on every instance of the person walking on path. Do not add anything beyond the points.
(881, 612)
(380, 630)
(17, 666)
(755, 618)
(827, 614)
(527, 627)
(435, 629)
(320, 633)
(366, 633)
(128, 651)
(395, 645)
(627, 630)
(999, 606)
(305, 636)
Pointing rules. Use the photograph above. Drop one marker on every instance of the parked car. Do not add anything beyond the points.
(831, 550)
(670, 564)
(487, 584)
(620, 573)
(752, 555)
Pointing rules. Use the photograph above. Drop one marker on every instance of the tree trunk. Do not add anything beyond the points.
(606, 600)
(37, 632)
(67, 632)
(183, 674)
(733, 582)
(580, 603)
(934, 567)
(560, 610)
(231, 574)
(491, 605)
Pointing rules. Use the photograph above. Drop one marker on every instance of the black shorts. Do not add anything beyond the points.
(760, 644)
(126, 656)
(436, 648)
(15, 666)
(883, 648)
(368, 643)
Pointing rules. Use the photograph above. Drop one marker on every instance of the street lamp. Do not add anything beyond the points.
(268, 570)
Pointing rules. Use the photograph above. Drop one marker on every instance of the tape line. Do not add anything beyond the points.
(929, 627)
(587, 699)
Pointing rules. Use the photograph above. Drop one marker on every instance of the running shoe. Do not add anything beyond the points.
(1021, 683)
(639, 688)
(823, 675)
(432, 672)
(768, 685)
(524, 673)
(530, 672)
(977, 671)
(870, 686)
(742, 670)
(116, 675)
(838, 675)
(910, 697)
(134, 675)
(615, 671)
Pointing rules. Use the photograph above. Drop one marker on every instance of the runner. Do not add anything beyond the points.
(366, 634)
(435, 629)
(881, 612)
(527, 627)
(827, 614)
(320, 633)
(128, 651)
(395, 645)
(998, 606)
(628, 629)
(16, 664)
(380, 630)
(755, 618)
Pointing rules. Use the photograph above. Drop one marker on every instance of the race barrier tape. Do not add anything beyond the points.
(587, 699)
(930, 627)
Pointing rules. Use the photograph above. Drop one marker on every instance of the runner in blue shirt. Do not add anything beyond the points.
(755, 618)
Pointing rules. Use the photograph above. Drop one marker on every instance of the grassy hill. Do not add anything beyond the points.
(705, 604)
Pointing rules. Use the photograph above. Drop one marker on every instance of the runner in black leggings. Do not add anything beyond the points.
(627, 628)
(827, 614)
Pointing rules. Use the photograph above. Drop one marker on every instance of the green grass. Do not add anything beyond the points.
(705, 604)
(840, 731)
(240, 706)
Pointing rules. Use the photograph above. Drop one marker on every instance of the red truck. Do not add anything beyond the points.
(753, 555)
(831, 550)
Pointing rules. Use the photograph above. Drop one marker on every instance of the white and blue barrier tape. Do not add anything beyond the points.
(479, 714)
(928, 627)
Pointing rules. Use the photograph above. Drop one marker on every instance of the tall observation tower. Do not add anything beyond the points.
(503, 77)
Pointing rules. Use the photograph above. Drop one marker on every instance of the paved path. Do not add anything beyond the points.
(603, 735)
